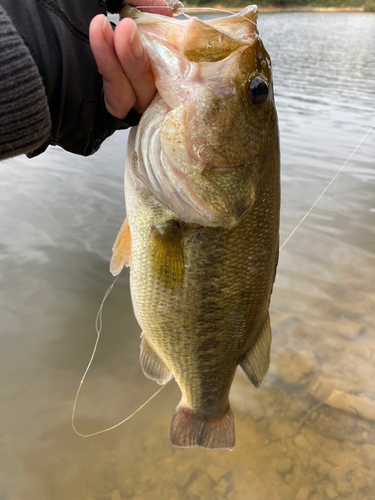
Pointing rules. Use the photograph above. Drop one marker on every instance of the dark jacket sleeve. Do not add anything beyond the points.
(24, 115)
(55, 33)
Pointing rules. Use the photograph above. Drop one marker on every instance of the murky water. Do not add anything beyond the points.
(309, 432)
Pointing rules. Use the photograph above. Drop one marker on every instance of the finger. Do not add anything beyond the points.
(135, 63)
(153, 6)
(118, 92)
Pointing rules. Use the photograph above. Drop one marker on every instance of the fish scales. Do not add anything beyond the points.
(204, 229)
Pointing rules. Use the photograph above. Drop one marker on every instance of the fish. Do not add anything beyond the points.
(201, 236)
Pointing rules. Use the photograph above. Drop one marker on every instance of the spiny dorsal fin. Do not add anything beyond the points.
(121, 251)
(152, 365)
(257, 360)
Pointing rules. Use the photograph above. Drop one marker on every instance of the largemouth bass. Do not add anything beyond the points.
(202, 201)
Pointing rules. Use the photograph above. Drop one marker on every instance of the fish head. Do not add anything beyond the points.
(228, 113)
(215, 79)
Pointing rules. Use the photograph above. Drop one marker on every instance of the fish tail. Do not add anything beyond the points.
(189, 429)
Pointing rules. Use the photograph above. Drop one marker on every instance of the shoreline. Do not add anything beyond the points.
(194, 10)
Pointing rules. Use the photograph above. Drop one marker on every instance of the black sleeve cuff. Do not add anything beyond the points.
(25, 121)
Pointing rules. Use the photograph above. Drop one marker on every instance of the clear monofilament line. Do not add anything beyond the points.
(175, 6)
(327, 187)
(211, 9)
(178, 9)
(122, 421)
(98, 327)
(181, 9)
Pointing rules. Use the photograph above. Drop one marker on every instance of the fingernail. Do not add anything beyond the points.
(135, 42)
(106, 35)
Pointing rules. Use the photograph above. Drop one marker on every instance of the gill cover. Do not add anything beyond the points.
(199, 144)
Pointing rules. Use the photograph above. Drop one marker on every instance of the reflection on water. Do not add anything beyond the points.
(308, 433)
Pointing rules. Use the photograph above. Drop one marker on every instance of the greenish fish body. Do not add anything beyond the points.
(202, 201)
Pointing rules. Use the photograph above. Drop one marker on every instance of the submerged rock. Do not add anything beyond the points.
(302, 442)
(283, 466)
(348, 329)
(360, 406)
(321, 387)
(303, 494)
(222, 487)
(368, 453)
(215, 472)
(116, 495)
(294, 366)
(344, 489)
(331, 493)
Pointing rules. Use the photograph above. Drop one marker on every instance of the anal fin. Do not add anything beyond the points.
(212, 432)
(121, 250)
(256, 362)
(152, 365)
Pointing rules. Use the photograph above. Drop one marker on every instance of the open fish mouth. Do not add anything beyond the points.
(202, 126)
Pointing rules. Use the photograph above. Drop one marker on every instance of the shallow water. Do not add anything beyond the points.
(296, 438)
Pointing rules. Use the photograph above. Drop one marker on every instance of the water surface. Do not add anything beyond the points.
(296, 437)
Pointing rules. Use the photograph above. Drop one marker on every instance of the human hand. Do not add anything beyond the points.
(128, 81)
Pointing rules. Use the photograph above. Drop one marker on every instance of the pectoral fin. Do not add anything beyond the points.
(121, 251)
(257, 360)
(167, 251)
(152, 365)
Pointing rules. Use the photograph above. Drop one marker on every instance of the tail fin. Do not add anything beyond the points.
(189, 429)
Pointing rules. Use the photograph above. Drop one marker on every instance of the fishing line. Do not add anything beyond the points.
(179, 9)
(175, 6)
(211, 9)
(98, 328)
(327, 187)
(214, 9)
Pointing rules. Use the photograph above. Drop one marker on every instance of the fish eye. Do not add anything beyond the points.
(258, 90)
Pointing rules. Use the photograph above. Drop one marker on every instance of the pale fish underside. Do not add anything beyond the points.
(202, 201)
